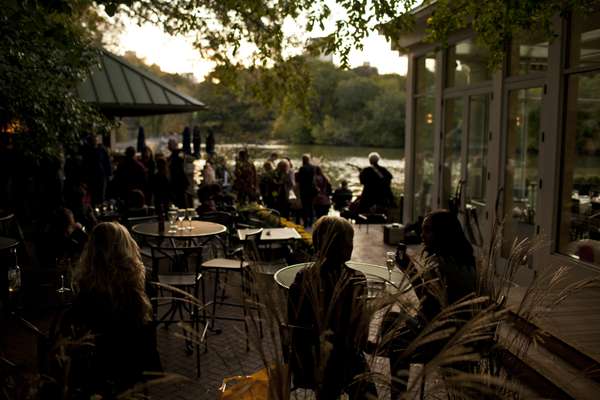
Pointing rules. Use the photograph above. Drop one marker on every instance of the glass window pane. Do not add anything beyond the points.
(453, 128)
(424, 138)
(477, 148)
(585, 40)
(467, 64)
(528, 54)
(425, 67)
(521, 168)
(579, 234)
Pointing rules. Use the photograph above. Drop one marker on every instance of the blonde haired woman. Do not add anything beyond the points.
(111, 305)
(326, 305)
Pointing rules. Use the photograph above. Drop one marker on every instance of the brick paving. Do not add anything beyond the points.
(226, 355)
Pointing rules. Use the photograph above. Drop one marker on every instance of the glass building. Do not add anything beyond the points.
(520, 143)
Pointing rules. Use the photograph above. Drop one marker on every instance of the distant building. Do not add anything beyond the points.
(366, 70)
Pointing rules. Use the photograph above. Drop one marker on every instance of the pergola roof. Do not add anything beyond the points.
(121, 89)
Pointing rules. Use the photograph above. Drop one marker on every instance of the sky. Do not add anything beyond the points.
(176, 54)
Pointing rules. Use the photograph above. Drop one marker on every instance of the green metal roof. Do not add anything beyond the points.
(121, 89)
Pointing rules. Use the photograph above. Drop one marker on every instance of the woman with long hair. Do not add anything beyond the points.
(111, 306)
(444, 274)
(326, 307)
(449, 254)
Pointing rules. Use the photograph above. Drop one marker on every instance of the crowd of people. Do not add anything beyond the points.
(307, 194)
(110, 278)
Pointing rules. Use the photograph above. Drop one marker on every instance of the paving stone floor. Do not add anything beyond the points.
(227, 355)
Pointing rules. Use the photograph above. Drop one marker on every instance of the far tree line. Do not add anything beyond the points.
(357, 107)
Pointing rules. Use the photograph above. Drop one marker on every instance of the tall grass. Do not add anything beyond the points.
(462, 344)
(460, 349)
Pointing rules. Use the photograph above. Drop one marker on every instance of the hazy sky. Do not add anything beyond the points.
(175, 54)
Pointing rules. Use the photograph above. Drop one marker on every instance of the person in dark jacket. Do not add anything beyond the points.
(160, 186)
(210, 143)
(107, 333)
(326, 310)
(130, 174)
(376, 181)
(196, 141)
(96, 168)
(179, 180)
(322, 201)
(342, 196)
(305, 178)
(444, 274)
(245, 182)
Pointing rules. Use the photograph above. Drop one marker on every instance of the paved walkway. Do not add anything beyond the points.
(227, 355)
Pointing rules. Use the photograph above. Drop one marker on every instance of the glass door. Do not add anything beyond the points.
(476, 163)
(454, 115)
(464, 165)
(521, 170)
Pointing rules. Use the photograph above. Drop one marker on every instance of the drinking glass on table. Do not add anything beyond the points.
(172, 214)
(390, 263)
(189, 214)
(180, 217)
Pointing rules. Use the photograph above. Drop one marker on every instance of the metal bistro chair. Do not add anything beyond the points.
(184, 275)
(245, 255)
(142, 241)
(224, 218)
(9, 227)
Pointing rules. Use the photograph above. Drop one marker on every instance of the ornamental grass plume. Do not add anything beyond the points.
(461, 350)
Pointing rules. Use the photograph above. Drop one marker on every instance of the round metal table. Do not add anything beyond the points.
(285, 276)
(7, 243)
(199, 229)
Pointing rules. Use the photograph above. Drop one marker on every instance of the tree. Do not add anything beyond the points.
(44, 53)
(223, 27)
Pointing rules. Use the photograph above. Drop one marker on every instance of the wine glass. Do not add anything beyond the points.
(189, 214)
(172, 214)
(14, 276)
(390, 263)
(64, 280)
(180, 218)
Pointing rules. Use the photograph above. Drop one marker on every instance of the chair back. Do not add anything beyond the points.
(9, 227)
(180, 255)
(219, 217)
(250, 249)
(130, 222)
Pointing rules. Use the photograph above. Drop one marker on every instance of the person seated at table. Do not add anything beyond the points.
(206, 196)
(444, 274)
(342, 196)
(135, 205)
(110, 318)
(326, 312)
